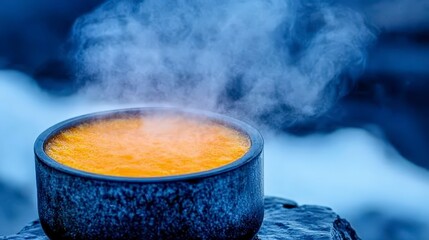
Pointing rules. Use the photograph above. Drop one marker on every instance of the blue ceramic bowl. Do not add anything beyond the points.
(222, 203)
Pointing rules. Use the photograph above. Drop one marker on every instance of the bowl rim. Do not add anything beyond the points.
(255, 137)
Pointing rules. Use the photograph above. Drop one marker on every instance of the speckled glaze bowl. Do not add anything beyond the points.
(222, 203)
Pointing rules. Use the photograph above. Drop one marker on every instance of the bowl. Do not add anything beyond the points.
(222, 203)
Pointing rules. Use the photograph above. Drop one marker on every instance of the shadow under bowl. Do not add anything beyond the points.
(222, 203)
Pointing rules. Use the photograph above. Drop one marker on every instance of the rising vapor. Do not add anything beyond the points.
(288, 60)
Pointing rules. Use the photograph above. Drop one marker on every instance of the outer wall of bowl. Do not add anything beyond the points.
(228, 205)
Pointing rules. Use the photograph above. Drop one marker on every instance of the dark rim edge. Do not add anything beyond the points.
(255, 150)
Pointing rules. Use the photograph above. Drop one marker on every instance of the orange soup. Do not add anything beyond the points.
(147, 146)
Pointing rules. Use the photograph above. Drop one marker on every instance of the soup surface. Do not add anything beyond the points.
(147, 146)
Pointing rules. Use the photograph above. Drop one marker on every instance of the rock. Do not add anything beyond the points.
(284, 219)
(32, 231)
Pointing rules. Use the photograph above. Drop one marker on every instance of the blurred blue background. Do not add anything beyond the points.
(367, 157)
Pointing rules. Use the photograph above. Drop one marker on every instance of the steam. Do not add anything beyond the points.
(396, 15)
(289, 60)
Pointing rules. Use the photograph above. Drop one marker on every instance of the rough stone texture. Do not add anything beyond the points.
(225, 203)
(32, 231)
(284, 219)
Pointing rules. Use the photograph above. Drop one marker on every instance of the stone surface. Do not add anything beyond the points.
(32, 231)
(284, 219)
